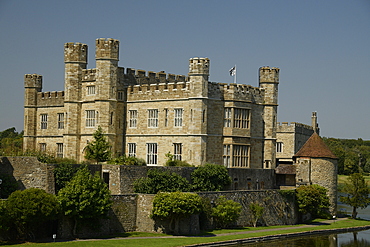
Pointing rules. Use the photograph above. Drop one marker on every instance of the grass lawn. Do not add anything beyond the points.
(344, 178)
(165, 240)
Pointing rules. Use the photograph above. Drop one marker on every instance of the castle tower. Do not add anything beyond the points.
(316, 164)
(32, 85)
(269, 81)
(75, 59)
(107, 57)
(198, 76)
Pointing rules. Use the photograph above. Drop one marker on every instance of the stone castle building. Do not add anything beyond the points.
(148, 114)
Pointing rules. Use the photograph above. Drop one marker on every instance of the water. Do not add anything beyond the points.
(351, 239)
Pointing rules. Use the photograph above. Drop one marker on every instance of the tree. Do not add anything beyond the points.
(99, 149)
(210, 177)
(174, 206)
(225, 212)
(357, 191)
(161, 181)
(28, 210)
(313, 199)
(256, 212)
(63, 173)
(11, 142)
(85, 198)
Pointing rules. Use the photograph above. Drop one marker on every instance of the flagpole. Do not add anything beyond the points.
(235, 75)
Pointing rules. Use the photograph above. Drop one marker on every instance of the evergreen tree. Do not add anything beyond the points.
(99, 149)
(357, 191)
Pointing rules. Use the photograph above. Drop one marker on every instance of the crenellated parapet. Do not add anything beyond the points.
(294, 127)
(88, 75)
(242, 92)
(142, 77)
(269, 74)
(54, 98)
(75, 53)
(33, 81)
(107, 49)
(170, 90)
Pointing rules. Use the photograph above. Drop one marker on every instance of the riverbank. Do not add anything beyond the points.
(216, 238)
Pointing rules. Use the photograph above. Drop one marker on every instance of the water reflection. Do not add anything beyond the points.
(352, 239)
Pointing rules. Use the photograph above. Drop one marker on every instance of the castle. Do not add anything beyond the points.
(148, 114)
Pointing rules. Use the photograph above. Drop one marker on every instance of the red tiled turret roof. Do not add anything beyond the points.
(315, 148)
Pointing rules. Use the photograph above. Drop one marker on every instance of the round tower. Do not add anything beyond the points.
(32, 85)
(269, 81)
(316, 164)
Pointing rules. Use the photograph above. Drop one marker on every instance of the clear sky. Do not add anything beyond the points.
(322, 48)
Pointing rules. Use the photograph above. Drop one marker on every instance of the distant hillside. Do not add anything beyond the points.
(353, 155)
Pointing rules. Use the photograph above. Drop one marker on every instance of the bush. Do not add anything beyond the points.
(313, 199)
(225, 212)
(128, 161)
(171, 161)
(175, 206)
(25, 212)
(161, 181)
(210, 177)
(256, 212)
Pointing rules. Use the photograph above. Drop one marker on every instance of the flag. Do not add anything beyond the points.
(232, 71)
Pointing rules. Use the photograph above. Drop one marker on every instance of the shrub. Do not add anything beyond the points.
(161, 181)
(210, 177)
(313, 199)
(128, 161)
(225, 212)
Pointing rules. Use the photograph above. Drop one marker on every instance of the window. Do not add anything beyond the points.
(44, 121)
(60, 150)
(90, 118)
(177, 151)
(60, 120)
(120, 95)
(227, 117)
(90, 90)
(226, 155)
(153, 118)
(111, 118)
(279, 147)
(131, 149)
(133, 118)
(151, 153)
(241, 118)
(165, 117)
(178, 117)
(42, 147)
(240, 156)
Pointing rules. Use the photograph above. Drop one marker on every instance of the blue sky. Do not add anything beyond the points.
(321, 48)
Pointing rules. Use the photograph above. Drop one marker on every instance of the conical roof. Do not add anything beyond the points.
(315, 148)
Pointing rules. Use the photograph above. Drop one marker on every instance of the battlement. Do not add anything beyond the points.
(241, 92)
(75, 53)
(142, 77)
(199, 66)
(158, 91)
(54, 98)
(270, 75)
(107, 49)
(33, 81)
(295, 128)
(88, 75)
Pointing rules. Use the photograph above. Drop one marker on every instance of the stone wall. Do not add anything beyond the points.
(28, 172)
